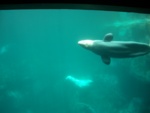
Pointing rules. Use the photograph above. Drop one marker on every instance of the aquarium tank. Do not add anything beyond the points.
(74, 60)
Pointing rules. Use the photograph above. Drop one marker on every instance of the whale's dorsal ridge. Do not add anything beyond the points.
(108, 37)
(106, 59)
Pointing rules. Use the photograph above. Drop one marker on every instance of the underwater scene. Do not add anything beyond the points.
(74, 61)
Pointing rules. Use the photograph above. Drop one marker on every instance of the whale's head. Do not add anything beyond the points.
(86, 43)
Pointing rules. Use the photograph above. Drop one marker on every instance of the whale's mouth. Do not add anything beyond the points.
(80, 42)
(85, 43)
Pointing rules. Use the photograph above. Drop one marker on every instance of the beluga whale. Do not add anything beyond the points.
(107, 48)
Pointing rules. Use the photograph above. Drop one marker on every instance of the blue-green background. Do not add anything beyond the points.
(38, 49)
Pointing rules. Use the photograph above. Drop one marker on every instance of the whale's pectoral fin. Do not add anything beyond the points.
(106, 59)
(108, 37)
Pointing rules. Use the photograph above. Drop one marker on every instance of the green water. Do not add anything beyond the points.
(39, 49)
